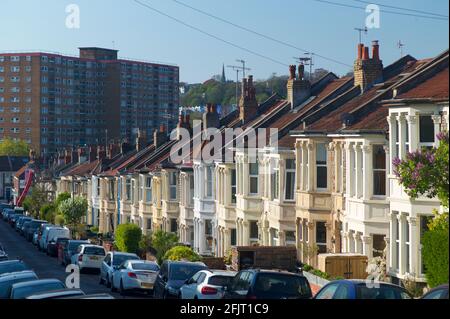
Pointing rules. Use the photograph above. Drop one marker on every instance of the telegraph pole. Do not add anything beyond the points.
(238, 69)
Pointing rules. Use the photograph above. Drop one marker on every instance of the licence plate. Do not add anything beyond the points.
(93, 258)
(146, 285)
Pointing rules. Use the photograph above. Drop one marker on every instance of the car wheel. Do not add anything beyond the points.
(122, 291)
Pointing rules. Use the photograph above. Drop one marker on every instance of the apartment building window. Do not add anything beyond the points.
(426, 131)
(2, 129)
(191, 189)
(98, 187)
(290, 180)
(28, 69)
(112, 190)
(141, 188)
(15, 79)
(290, 238)
(321, 237)
(173, 225)
(379, 170)
(209, 182)
(208, 234)
(148, 189)
(2, 69)
(15, 59)
(321, 166)
(275, 183)
(15, 120)
(15, 69)
(253, 168)
(133, 190)
(233, 186)
(128, 188)
(233, 237)
(2, 120)
(149, 224)
(254, 232)
(173, 185)
(15, 130)
(2, 79)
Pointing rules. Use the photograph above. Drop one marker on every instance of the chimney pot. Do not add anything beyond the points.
(360, 50)
(366, 53)
(375, 51)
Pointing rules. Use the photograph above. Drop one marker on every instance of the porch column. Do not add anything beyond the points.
(437, 120)
(304, 173)
(368, 172)
(413, 132)
(402, 236)
(413, 246)
(402, 136)
(392, 138)
(367, 246)
(310, 167)
(358, 165)
(349, 188)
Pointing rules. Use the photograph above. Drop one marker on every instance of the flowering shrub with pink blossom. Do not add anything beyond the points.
(425, 172)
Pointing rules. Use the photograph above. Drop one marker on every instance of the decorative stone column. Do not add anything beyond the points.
(349, 150)
(367, 246)
(246, 233)
(402, 136)
(311, 148)
(368, 172)
(357, 242)
(392, 138)
(437, 120)
(392, 236)
(282, 238)
(413, 132)
(304, 173)
(402, 236)
(358, 164)
(413, 245)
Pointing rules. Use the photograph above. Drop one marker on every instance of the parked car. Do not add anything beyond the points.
(3, 254)
(6, 212)
(13, 219)
(57, 294)
(20, 220)
(10, 266)
(40, 232)
(207, 284)
(89, 257)
(111, 262)
(360, 289)
(440, 292)
(4, 206)
(172, 275)
(9, 279)
(134, 275)
(35, 239)
(51, 233)
(69, 249)
(32, 227)
(268, 284)
(53, 245)
(24, 289)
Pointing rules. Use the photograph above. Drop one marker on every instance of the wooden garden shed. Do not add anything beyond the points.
(348, 266)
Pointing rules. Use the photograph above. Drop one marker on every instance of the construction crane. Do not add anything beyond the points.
(238, 69)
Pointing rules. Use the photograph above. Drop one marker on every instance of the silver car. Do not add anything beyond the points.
(111, 262)
(9, 279)
(138, 275)
(207, 284)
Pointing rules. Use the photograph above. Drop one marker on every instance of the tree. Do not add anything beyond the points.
(128, 237)
(162, 242)
(48, 212)
(9, 147)
(36, 199)
(62, 197)
(73, 209)
(425, 173)
(181, 253)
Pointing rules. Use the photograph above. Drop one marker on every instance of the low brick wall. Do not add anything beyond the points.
(214, 263)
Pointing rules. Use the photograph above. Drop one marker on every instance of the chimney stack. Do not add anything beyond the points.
(211, 118)
(92, 153)
(101, 153)
(248, 105)
(159, 136)
(298, 88)
(368, 71)
(82, 155)
(141, 140)
(67, 156)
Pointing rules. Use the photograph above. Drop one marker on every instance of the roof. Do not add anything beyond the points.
(435, 88)
(12, 163)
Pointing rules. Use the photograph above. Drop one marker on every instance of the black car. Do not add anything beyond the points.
(440, 292)
(173, 275)
(12, 266)
(32, 227)
(70, 248)
(52, 246)
(268, 284)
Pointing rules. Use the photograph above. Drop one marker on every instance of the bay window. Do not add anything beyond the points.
(426, 131)
(290, 180)
(209, 182)
(148, 189)
(275, 183)
(172, 185)
(321, 237)
(254, 232)
(321, 166)
(128, 188)
(253, 168)
(111, 190)
(379, 170)
(233, 186)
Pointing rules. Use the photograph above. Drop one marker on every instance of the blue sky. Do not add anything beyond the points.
(142, 34)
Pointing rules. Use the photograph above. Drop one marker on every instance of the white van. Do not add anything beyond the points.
(51, 233)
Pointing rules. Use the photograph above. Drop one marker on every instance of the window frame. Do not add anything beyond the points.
(322, 166)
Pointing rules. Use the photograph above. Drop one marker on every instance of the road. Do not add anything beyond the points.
(48, 267)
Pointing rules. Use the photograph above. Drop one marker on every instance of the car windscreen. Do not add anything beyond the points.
(119, 259)
(73, 246)
(221, 281)
(26, 291)
(35, 225)
(272, 285)
(94, 251)
(380, 292)
(5, 286)
(183, 271)
(145, 266)
(12, 267)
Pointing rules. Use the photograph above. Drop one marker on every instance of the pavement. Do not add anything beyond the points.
(45, 267)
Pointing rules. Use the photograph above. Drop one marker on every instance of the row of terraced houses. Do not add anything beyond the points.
(328, 183)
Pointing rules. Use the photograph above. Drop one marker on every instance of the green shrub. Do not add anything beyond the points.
(47, 212)
(59, 220)
(162, 242)
(181, 253)
(435, 256)
(128, 237)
